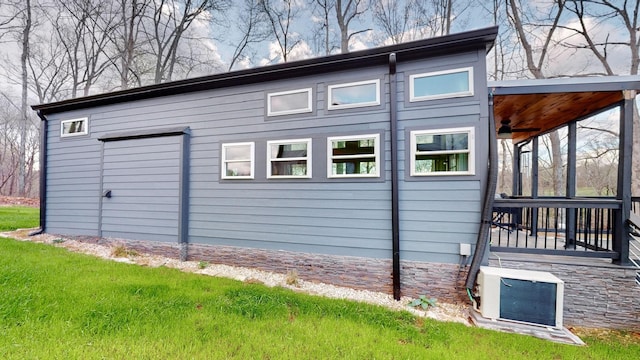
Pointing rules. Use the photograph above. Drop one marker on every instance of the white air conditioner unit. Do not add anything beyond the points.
(532, 297)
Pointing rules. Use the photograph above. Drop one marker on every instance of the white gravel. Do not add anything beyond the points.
(442, 312)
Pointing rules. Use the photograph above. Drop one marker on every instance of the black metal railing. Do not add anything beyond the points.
(634, 238)
(635, 205)
(556, 226)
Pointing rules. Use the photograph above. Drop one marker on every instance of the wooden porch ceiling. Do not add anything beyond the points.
(547, 111)
(547, 104)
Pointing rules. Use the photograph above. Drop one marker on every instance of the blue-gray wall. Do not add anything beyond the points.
(331, 216)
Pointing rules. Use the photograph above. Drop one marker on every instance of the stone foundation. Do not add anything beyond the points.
(444, 282)
(596, 294)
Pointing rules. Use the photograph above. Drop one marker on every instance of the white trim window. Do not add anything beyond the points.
(238, 160)
(289, 159)
(74, 127)
(443, 152)
(441, 84)
(289, 102)
(353, 156)
(353, 95)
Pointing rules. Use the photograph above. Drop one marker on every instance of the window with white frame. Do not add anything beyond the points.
(74, 127)
(355, 94)
(289, 102)
(441, 84)
(353, 156)
(442, 152)
(289, 158)
(238, 160)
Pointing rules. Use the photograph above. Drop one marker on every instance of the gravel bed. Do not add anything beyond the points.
(442, 312)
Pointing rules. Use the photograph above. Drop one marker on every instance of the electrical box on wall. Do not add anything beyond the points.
(532, 297)
(465, 249)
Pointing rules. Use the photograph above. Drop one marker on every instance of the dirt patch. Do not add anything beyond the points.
(624, 337)
(19, 201)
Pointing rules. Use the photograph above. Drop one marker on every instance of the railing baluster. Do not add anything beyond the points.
(566, 223)
(546, 225)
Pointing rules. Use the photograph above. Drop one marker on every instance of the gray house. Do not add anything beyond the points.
(367, 169)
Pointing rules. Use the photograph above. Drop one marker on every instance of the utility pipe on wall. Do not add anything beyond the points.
(44, 128)
(395, 223)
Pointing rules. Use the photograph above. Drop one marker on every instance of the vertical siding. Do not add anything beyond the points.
(322, 215)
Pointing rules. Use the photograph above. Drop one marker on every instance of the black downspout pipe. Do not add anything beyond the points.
(44, 127)
(487, 208)
(395, 223)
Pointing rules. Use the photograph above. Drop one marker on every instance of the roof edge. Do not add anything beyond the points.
(558, 85)
(481, 38)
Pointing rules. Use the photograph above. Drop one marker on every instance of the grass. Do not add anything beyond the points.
(56, 304)
(60, 305)
(17, 217)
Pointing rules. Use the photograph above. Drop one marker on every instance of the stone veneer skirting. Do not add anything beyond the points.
(596, 294)
(444, 282)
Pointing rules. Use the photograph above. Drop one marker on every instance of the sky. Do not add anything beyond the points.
(215, 41)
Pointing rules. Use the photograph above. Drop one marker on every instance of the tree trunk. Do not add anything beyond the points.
(556, 156)
(25, 118)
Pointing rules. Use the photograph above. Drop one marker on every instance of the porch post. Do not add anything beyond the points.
(534, 183)
(621, 231)
(572, 224)
(516, 188)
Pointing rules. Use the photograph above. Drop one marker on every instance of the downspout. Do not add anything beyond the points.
(395, 223)
(44, 127)
(487, 205)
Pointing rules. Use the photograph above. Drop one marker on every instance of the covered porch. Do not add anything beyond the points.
(569, 221)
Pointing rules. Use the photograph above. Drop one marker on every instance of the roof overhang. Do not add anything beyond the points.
(547, 104)
(421, 49)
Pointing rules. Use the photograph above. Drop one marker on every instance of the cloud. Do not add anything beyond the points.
(300, 51)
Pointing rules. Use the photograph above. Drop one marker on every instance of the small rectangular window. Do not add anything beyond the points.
(237, 160)
(356, 94)
(289, 158)
(74, 127)
(442, 152)
(289, 102)
(353, 156)
(441, 84)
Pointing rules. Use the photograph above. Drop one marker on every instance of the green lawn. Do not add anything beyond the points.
(55, 304)
(60, 305)
(16, 217)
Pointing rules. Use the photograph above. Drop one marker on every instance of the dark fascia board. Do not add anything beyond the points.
(565, 85)
(477, 39)
(145, 133)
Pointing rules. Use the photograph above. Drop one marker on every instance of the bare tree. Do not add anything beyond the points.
(601, 42)
(24, 116)
(542, 31)
(130, 14)
(84, 28)
(324, 9)
(250, 24)
(279, 15)
(48, 69)
(346, 12)
(597, 158)
(395, 18)
(417, 19)
(171, 20)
